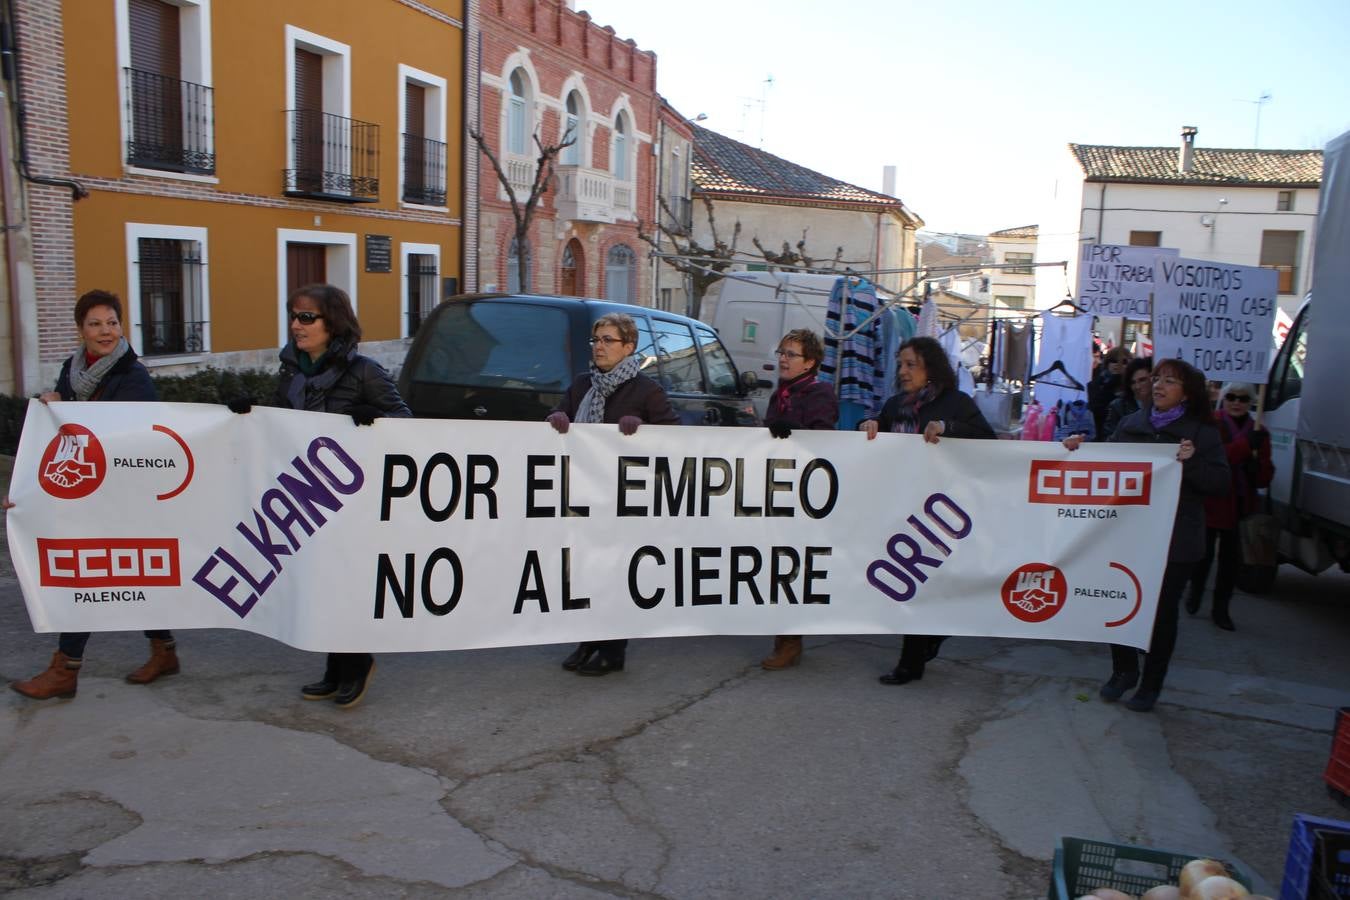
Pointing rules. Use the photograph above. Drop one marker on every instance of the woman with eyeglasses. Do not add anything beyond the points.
(1247, 446)
(614, 391)
(322, 371)
(799, 401)
(1138, 395)
(1179, 415)
(928, 404)
(102, 368)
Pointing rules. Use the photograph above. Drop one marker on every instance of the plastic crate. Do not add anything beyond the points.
(1337, 775)
(1082, 865)
(1331, 865)
(1300, 879)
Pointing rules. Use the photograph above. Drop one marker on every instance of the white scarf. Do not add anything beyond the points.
(84, 381)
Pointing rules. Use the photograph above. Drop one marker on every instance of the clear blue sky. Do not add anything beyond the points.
(975, 101)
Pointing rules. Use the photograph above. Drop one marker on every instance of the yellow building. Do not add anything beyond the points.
(229, 151)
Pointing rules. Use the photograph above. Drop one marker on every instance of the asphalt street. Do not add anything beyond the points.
(692, 774)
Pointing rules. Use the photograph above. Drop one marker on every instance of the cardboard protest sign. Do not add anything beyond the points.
(1216, 316)
(1115, 280)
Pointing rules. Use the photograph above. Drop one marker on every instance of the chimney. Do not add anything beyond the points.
(1187, 156)
(888, 180)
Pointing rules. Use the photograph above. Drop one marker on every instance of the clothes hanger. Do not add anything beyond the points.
(1058, 366)
(1067, 301)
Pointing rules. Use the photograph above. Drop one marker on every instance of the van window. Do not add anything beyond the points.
(721, 370)
(675, 347)
(646, 350)
(496, 343)
(1287, 377)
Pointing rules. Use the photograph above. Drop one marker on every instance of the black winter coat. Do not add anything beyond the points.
(128, 379)
(360, 381)
(959, 415)
(1205, 474)
(638, 396)
(809, 404)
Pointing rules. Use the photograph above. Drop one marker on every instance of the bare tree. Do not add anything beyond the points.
(523, 212)
(704, 265)
(797, 256)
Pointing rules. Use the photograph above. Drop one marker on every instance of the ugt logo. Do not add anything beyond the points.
(1035, 592)
(73, 464)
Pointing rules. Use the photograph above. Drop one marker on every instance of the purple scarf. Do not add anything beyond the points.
(1161, 420)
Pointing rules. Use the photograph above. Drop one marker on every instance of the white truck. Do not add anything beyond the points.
(1308, 394)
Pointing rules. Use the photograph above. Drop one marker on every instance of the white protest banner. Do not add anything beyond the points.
(1116, 280)
(1218, 317)
(428, 535)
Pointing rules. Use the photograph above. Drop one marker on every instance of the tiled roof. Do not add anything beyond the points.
(724, 166)
(1022, 231)
(1158, 165)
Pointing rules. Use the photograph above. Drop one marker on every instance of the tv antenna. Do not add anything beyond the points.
(1259, 102)
(762, 103)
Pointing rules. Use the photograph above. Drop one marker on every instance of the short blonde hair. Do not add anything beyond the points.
(620, 322)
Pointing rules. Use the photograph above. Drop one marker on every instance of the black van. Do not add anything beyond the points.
(510, 356)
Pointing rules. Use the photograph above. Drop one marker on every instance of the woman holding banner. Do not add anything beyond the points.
(613, 391)
(799, 401)
(1180, 415)
(322, 372)
(103, 368)
(928, 404)
(1247, 446)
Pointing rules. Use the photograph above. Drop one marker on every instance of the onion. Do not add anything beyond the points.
(1162, 892)
(1220, 887)
(1196, 871)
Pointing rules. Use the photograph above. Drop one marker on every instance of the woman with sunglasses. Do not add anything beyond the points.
(1247, 445)
(1179, 415)
(1138, 395)
(615, 391)
(322, 372)
(799, 401)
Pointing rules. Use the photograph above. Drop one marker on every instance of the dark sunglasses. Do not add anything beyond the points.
(1237, 398)
(306, 318)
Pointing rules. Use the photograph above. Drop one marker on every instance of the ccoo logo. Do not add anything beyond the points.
(73, 464)
(1035, 592)
(1073, 483)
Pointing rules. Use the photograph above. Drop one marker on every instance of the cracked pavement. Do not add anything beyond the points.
(494, 774)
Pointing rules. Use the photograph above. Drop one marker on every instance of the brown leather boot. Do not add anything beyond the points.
(787, 652)
(163, 661)
(59, 680)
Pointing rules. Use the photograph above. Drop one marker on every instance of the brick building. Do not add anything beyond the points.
(228, 153)
(545, 67)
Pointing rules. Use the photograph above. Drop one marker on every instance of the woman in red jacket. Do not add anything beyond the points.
(1247, 445)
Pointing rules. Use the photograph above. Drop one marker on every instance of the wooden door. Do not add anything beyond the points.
(155, 87)
(414, 146)
(305, 264)
(309, 124)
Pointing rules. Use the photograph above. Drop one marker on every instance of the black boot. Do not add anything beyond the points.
(602, 663)
(326, 686)
(351, 691)
(1119, 683)
(578, 657)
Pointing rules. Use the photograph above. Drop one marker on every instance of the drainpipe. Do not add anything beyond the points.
(1101, 211)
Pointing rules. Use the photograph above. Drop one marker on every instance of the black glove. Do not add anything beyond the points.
(240, 405)
(1257, 439)
(780, 429)
(363, 414)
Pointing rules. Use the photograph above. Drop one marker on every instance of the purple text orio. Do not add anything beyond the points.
(899, 576)
(284, 516)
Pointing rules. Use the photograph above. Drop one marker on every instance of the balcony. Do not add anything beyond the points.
(332, 158)
(520, 172)
(592, 195)
(423, 171)
(170, 124)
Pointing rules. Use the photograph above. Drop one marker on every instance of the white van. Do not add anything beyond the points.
(753, 310)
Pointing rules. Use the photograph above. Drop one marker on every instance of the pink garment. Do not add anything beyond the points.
(1031, 418)
(1047, 424)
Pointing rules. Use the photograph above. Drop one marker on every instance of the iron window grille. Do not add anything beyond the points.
(423, 171)
(423, 279)
(332, 157)
(171, 290)
(170, 124)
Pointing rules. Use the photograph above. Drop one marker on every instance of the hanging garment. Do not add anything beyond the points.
(854, 363)
(1076, 418)
(951, 343)
(1045, 430)
(1013, 355)
(1031, 422)
(928, 319)
(897, 326)
(1069, 340)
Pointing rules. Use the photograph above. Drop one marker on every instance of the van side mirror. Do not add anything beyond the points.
(750, 381)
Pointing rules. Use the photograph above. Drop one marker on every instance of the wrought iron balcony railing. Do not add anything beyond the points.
(423, 171)
(170, 124)
(331, 157)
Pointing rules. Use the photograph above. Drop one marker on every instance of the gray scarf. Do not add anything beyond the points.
(592, 408)
(84, 381)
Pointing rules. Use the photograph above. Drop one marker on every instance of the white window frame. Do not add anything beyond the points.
(526, 112)
(435, 86)
(337, 80)
(194, 34)
(340, 264)
(406, 250)
(621, 157)
(132, 311)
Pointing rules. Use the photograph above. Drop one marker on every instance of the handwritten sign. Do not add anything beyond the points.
(1215, 316)
(1114, 280)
